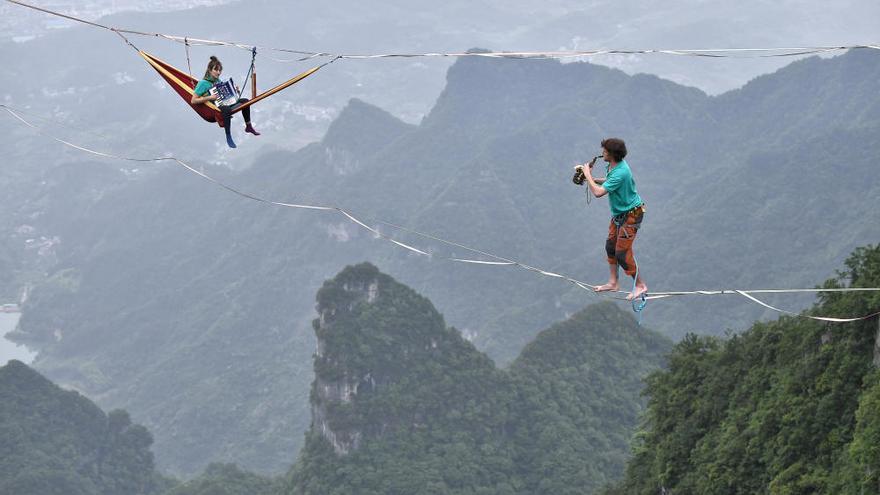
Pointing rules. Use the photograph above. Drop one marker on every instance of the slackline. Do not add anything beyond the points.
(495, 261)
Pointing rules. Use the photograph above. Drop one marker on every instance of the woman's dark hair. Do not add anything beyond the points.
(213, 63)
(615, 147)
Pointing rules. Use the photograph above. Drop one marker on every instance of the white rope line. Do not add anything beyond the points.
(557, 54)
(342, 211)
(72, 124)
(819, 318)
(501, 261)
(748, 295)
(659, 295)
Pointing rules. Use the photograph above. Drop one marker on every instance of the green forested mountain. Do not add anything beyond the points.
(228, 479)
(57, 442)
(163, 279)
(577, 385)
(788, 407)
(403, 404)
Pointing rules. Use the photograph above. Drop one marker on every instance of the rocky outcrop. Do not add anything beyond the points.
(331, 391)
(346, 325)
(373, 333)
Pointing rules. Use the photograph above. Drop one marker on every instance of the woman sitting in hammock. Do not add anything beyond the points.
(201, 94)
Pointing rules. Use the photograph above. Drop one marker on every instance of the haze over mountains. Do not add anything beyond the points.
(159, 292)
(93, 70)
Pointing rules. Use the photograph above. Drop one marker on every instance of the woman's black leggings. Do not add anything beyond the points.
(226, 111)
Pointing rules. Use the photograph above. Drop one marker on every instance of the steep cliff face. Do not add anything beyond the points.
(372, 333)
(337, 301)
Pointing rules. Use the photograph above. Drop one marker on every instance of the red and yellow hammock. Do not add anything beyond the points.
(184, 84)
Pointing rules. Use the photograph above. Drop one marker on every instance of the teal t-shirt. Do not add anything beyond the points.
(622, 194)
(203, 86)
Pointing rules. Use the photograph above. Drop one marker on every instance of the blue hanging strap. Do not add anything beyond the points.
(638, 304)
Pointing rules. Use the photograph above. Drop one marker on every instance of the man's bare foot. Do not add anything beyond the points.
(607, 287)
(638, 292)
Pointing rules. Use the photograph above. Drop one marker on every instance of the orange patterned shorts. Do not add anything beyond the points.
(621, 233)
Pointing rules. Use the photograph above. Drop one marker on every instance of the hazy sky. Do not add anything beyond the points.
(408, 88)
(549, 25)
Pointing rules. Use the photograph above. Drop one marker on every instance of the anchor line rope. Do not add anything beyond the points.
(75, 123)
(498, 260)
(756, 52)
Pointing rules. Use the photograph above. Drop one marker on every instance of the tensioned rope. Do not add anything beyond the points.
(502, 261)
(499, 260)
(557, 54)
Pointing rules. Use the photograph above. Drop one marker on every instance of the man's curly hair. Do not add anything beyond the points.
(615, 147)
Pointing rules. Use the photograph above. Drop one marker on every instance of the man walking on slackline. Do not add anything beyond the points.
(627, 211)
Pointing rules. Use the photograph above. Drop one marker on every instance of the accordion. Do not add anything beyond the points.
(225, 91)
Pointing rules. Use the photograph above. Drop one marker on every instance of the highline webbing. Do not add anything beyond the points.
(496, 260)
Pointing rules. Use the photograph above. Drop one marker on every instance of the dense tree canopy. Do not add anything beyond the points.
(227, 479)
(788, 407)
(59, 442)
